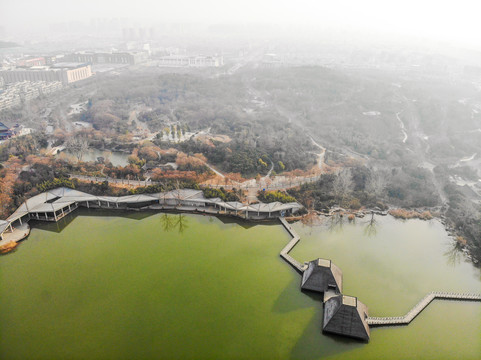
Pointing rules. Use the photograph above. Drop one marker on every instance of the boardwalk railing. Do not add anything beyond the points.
(285, 252)
(420, 306)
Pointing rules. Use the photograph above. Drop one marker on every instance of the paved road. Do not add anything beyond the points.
(115, 181)
(214, 170)
(249, 185)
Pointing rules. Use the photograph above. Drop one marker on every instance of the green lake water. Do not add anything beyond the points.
(156, 286)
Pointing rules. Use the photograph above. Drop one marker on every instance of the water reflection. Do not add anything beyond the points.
(371, 226)
(182, 223)
(336, 222)
(171, 222)
(454, 254)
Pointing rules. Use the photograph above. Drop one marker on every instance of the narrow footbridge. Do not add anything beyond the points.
(416, 310)
(285, 252)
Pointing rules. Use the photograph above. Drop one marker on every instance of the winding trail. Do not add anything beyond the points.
(217, 172)
(466, 159)
(269, 172)
(403, 128)
(321, 155)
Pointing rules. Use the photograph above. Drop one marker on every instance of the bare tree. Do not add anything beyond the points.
(78, 145)
(371, 226)
(342, 184)
(336, 222)
(377, 182)
(178, 189)
(454, 254)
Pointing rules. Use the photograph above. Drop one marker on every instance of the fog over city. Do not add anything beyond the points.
(456, 22)
(257, 179)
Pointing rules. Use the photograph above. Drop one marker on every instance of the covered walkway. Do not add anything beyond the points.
(55, 204)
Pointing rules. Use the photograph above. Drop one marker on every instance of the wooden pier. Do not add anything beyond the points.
(285, 252)
(420, 306)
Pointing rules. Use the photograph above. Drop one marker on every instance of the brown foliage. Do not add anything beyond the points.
(184, 159)
(149, 153)
(236, 177)
(174, 175)
(7, 181)
(410, 214)
(461, 240)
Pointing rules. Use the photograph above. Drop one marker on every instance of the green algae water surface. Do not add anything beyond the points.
(156, 286)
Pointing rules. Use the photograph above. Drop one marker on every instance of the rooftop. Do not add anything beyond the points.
(57, 198)
(322, 275)
(69, 65)
(3, 225)
(324, 262)
(345, 315)
(349, 300)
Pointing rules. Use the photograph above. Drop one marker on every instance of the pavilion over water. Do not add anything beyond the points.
(55, 204)
(322, 275)
(345, 315)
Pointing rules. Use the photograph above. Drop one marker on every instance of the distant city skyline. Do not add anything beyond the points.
(453, 21)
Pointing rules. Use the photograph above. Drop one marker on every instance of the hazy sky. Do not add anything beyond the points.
(452, 20)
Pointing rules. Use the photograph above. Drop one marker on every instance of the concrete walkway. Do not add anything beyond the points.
(19, 233)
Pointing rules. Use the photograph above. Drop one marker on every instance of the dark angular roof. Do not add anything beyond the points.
(3, 127)
(345, 315)
(322, 275)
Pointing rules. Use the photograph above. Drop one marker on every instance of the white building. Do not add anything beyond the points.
(191, 61)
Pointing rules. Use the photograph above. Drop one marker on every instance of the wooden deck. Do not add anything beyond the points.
(285, 252)
(420, 306)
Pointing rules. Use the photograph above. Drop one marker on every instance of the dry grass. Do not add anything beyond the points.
(311, 219)
(461, 240)
(410, 214)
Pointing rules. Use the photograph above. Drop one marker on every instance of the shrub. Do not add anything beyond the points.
(355, 204)
(271, 196)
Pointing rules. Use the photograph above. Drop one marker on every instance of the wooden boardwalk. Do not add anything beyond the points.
(377, 321)
(285, 252)
(420, 306)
